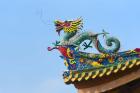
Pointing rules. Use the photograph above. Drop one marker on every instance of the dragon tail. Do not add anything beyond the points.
(112, 43)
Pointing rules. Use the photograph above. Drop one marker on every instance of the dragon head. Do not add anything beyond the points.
(68, 26)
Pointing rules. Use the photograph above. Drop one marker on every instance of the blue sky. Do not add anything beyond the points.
(26, 29)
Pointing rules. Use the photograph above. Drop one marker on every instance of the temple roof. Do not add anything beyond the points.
(76, 76)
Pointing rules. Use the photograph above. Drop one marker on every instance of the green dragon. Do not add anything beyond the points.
(73, 37)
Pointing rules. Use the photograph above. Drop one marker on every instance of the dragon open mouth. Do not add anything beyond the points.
(59, 26)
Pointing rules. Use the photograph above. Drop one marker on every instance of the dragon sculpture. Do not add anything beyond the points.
(72, 36)
(82, 65)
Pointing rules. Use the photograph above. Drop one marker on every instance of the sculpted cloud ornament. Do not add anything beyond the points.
(82, 65)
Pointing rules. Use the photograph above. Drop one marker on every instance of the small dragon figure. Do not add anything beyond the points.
(73, 37)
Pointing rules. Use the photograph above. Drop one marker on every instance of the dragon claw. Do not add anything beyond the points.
(87, 45)
(56, 43)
